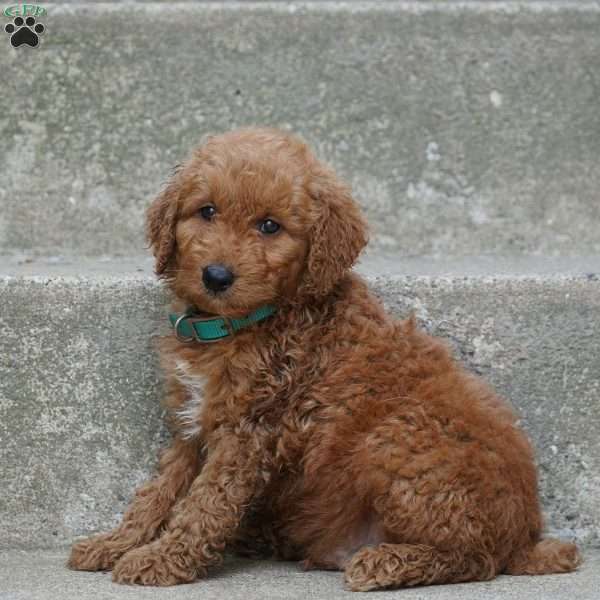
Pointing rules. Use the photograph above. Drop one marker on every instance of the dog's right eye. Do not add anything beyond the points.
(208, 212)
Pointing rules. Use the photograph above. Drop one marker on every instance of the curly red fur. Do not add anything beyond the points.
(329, 433)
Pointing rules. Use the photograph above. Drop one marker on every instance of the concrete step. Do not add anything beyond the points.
(80, 421)
(464, 127)
(42, 576)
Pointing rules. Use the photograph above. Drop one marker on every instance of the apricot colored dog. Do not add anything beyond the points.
(315, 427)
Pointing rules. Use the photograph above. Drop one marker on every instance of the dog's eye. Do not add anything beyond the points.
(208, 212)
(268, 226)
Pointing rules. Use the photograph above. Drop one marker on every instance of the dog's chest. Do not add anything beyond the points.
(189, 414)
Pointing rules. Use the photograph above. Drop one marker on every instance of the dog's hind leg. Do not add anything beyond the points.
(405, 565)
(178, 467)
(547, 556)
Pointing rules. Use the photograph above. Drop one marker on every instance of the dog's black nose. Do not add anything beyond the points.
(217, 278)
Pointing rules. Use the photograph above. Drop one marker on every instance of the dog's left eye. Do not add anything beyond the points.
(208, 212)
(269, 226)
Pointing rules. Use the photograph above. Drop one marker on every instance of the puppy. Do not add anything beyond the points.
(307, 423)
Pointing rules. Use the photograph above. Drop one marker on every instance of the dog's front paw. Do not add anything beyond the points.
(155, 565)
(98, 553)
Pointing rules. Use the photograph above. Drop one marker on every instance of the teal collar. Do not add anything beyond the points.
(190, 326)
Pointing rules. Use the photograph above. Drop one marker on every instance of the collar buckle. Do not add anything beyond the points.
(227, 326)
(184, 339)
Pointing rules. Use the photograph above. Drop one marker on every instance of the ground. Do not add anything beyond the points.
(41, 575)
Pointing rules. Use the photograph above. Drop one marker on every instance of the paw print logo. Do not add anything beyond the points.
(24, 31)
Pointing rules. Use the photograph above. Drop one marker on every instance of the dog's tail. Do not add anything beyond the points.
(546, 556)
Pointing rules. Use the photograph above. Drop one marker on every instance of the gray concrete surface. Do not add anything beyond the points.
(465, 127)
(79, 392)
(42, 576)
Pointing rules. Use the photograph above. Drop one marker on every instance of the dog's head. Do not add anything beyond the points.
(252, 218)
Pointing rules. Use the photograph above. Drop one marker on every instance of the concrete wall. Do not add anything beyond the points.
(465, 128)
(80, 419)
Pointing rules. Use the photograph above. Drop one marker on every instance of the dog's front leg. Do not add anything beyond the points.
(178, 467)
(205, 520)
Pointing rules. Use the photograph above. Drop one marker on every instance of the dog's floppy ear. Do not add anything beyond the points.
(160, 224)
(338, 235)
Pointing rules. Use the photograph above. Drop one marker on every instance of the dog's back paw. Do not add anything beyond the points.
(547, 556)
